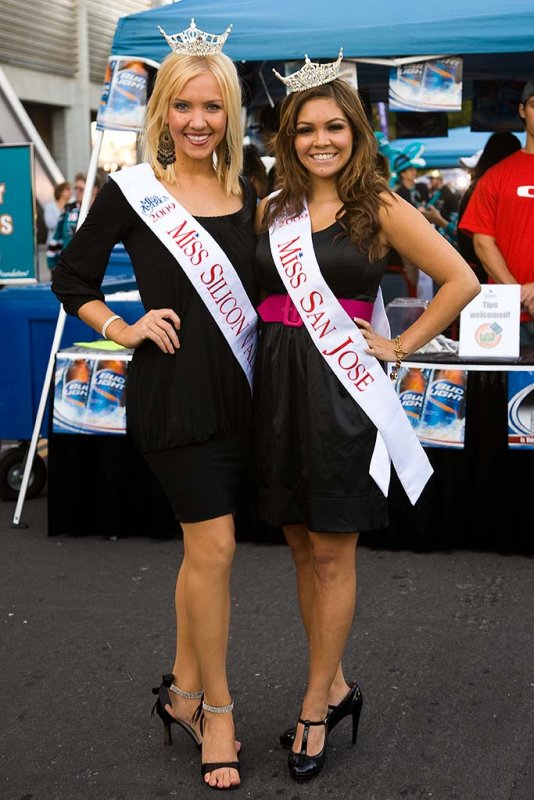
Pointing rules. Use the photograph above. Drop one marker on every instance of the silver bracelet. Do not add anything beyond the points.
(107, 323)
(218, 709)
(186, 695)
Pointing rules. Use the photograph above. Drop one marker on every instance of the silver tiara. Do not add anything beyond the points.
(194, 42)
(312, 74)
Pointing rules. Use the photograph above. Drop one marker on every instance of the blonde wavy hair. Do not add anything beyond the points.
(361, 184)
(174, 73)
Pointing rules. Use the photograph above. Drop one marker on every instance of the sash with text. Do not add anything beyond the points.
(201, 258)
(342, 346)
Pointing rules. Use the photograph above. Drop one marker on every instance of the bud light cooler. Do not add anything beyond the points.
(89, 391)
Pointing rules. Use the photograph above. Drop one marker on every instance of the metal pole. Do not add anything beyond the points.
(60, 325)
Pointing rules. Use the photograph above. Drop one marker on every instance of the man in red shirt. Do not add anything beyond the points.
(500, 216)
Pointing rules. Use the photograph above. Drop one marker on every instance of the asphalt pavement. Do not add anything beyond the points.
(442, 647)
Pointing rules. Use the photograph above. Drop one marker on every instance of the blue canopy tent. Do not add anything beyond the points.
(281, 30)
(495, 39)
(444, 151)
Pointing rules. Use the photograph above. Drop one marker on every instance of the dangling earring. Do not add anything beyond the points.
(227, 159)
(166, 153)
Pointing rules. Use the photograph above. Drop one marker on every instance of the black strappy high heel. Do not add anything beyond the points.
(164, 698)
(302, 767)
(211, 766)
(350, 705)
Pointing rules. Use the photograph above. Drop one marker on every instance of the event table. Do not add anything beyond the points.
(478, 496)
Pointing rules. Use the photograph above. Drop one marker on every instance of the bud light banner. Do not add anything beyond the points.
(521, 410)
(89, 392)
(434, 402)
(433, 85)
(18, 242)
(125, 93)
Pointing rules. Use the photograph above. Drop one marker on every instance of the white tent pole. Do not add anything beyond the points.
(60, 325)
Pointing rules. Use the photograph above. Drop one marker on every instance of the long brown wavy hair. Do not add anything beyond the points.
(359, 183)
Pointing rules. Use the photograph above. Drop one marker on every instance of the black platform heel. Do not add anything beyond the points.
(303, 767)
(213, 765)
(164, 698)
(351, 704)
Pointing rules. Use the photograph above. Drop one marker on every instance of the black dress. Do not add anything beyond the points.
(189, 412)
(313, 443)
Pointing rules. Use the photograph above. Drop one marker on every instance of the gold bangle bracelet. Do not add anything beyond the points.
(399, 355)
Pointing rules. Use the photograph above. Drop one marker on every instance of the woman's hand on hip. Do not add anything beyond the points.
(159, 325)
(377, 346)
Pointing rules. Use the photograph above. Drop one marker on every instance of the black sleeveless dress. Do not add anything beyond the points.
(189, 412)
(313, 443)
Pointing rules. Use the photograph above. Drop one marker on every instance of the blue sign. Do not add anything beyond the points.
(124, 94)
(18, 243)
(432, 85)
(521, 410)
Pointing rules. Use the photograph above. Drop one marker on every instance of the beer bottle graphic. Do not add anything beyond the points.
(75, 386)
(107, 396)
(411, 388)
(127, 96)
(444, 408)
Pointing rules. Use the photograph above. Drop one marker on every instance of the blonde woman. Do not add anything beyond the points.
(186, 220)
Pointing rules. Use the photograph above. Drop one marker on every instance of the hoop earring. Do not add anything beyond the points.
(166, 154)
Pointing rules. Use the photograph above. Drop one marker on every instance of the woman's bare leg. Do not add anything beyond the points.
(186, 668)
(298, 539)
(210, 548)
(334, 596)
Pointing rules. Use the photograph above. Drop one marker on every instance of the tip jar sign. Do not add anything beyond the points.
(125, 93)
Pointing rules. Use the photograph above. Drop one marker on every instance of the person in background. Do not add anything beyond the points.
(322, 245)
(188, 395)
(500, 218)
(268, 126)
(441, 208)
(407, 187)
(414, 193)
(498, 146)
(68, 219)
(396, 281)
(254, 170)
(440, 196)
(66, 223)
(53, 209)
(448, 228)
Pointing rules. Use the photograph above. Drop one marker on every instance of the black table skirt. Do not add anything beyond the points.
(478, 497)
(101, 485)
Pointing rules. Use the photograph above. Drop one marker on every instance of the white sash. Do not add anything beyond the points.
(201, 258)
(342, 346)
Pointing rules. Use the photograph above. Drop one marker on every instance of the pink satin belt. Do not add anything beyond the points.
(280, 308)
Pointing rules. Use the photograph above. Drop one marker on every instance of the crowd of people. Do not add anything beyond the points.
(444, 207)
(261, 368)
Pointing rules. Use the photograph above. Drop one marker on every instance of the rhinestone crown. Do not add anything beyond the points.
(194, 42)
(312, 74)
